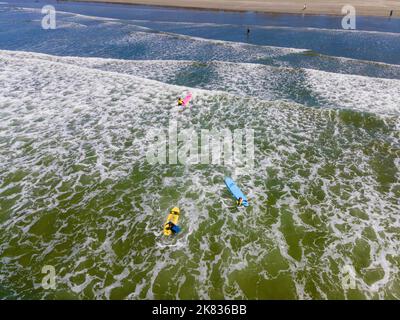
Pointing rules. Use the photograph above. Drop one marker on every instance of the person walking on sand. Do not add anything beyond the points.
(391, 13)
(305, 6)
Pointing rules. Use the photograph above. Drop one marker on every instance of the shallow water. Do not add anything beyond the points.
(77, 192)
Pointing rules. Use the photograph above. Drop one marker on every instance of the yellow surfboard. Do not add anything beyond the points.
(173, 217)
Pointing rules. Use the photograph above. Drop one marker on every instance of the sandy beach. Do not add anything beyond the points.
(330, 7)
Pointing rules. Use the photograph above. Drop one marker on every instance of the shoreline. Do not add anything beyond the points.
(314, 7)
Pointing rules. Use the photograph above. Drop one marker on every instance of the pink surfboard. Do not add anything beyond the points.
(187, 99)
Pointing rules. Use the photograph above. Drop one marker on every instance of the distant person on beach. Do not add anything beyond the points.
(391, 13)
(248, 31)
(305, 6)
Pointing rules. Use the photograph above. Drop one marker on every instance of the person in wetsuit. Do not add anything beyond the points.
(173, 227)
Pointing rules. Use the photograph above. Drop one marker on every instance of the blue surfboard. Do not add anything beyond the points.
(236, 192)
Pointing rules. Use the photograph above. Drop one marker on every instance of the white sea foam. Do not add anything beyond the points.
(376, 95)
(76, 136)
(270, 27)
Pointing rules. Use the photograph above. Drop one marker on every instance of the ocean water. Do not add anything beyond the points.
(77, 193)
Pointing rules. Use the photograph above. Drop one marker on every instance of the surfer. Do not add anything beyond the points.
(180, 102)
(239, 202)
(173, 227)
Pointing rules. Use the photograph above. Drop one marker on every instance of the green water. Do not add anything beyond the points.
(77, 192)
(327, 197)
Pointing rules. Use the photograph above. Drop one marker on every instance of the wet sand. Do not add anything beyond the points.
(325, 7)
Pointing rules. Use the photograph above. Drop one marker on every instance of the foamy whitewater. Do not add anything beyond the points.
(77, 192)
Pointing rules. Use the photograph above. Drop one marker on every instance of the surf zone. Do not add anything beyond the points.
(189, 147)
